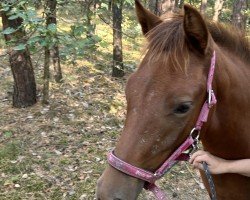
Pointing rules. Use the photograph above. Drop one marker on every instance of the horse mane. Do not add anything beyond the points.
(168, 40)
(230, 38)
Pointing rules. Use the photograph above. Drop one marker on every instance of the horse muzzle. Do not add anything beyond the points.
(115, 185)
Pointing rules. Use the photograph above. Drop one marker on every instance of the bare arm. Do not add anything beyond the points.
(239, 166)
(218, 165)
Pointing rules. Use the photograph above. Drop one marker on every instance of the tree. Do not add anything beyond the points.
(118, 68)
(179, 3)
(24, 94)
(217, 9)
(89, 10)
(167, 6)
(153, 6)
(51, 20)
(203, 7)
(238, 18)
(159, 7)
(38, 4)
(46, 75)
(51, 48)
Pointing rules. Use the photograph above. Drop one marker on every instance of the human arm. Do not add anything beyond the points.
(218, 165)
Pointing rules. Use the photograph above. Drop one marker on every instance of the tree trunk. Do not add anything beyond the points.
(109, 5)
(24, 79)
(90, 11)
(166, 6)
(38, 4)
(56, 64)
(203, 7)
(153, 6)
(46, 75)
(118, 68)
(238, 18)
(181, 2)
(51, 19)
(217, 9)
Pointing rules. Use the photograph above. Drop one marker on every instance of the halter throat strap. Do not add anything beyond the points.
(189, 144)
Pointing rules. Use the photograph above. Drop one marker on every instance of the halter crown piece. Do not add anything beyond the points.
(179, 154)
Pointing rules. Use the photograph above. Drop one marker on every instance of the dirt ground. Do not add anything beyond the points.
(59, 151)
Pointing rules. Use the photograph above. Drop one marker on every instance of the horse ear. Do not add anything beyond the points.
(147, 19)
(195, 29)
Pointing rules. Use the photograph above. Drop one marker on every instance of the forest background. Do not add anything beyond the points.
(64, 65)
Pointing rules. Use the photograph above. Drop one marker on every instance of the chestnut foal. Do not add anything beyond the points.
(165, 97)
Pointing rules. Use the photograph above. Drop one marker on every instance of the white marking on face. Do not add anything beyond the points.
(155, 149)
(143, 141)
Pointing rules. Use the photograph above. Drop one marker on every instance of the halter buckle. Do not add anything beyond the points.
(210, 97)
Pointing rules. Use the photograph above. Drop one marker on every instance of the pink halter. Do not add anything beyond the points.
(189, 144)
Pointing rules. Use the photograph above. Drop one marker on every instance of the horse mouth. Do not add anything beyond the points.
(115, 185)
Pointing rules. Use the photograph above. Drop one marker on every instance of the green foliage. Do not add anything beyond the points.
(77, 30)
(129, 2)
(80, 39)
(8, 31)
(39, 35)
(20, 47)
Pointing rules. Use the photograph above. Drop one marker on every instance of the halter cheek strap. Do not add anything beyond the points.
(211, 100)
(189, 144)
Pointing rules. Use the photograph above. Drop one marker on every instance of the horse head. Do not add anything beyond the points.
(164, 96)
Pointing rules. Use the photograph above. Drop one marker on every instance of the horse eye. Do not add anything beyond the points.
(183, 108)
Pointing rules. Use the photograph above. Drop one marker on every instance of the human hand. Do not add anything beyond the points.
(215, 164)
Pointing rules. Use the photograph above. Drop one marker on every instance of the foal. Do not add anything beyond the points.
(165, 96)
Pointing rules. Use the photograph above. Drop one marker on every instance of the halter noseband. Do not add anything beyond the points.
(189, 144)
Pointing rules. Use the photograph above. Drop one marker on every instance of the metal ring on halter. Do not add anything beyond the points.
(195, 137)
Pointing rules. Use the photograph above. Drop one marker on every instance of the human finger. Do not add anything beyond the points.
(197, 153)
(198, 165)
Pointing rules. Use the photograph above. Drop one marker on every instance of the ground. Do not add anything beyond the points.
(58, 151)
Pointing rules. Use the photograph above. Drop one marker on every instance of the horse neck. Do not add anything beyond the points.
(226, 132)
(232, 81)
